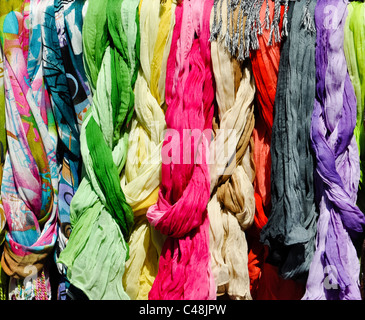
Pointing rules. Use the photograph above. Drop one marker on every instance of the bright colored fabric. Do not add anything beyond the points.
(101, 219)
(30, 183)
(354, 35)
(181, 210)
(265, 281)
(291, 227)
(334, 272)
(231, 208)
(141, 177)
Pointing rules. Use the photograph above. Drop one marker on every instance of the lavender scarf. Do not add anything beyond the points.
(334, 271)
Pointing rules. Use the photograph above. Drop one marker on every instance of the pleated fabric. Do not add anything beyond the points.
(181, 210)
(70, 99)
(265, 282)
(334, 272)
(231, 208)
(30, 183)
(291, 227)
(354, 35)
(142, 175)
(100, 217)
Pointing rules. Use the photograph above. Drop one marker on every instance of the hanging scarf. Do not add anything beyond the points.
(334, 271)
(100, 217)
(354, 33)
(181, 210)
(232, 205)
(29, 186)
(65, 79)
(265, 282)
(3, 147)
(291, 227)
(355, 58)
(143, 167)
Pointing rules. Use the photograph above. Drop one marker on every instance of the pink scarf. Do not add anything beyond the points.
(180, 212)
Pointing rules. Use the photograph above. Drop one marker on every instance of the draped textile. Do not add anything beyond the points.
(354, 34)
(100, 217)
(334, 272)
(264, 278)
(66, 81)
(181, 210)
(291, 227)
(141, 177)
(29, 186)
(231, 208)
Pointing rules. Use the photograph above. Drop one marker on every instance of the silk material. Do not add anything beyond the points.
(334, 272)
(231, 208)
(101, 219)
(180, 212)
(141, 177)
(29, 187)
(265, 281)
(291, 227)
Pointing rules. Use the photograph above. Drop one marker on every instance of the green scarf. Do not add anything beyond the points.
(100, 216)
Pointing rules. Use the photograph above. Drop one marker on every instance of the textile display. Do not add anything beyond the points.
(182, 150)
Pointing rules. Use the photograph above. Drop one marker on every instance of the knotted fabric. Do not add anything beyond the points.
(291, 227)
(232, 206)
(181, 210)
(334, 272)
(142, 175)
(100, 216)
(354, 34)
(30, 183)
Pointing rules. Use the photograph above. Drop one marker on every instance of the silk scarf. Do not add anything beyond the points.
(100, 216)
(29, 186)
(181, 210)
(291, 227)
(141, 177)
(231, 208)
(334, 271)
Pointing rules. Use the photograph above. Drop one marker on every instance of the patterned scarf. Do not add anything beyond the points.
(30, 181)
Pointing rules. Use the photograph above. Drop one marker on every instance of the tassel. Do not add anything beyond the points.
(214, 31)
(284, 32)
(307, 21)
(267, 16)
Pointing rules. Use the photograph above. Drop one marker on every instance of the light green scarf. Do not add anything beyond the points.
(100, 216)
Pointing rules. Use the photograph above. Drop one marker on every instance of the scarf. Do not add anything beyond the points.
(354, 32)
(181, 209)
(232, 205)
(141, 178)
(29, 186)
(69, 92)
(265, 282)
(291, 227)
(335, 268)
(100, 216)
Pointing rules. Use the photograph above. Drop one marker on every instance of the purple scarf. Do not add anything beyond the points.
(334, 271)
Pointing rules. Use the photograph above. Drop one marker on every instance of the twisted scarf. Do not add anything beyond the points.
(232, 205)
(335, 267)
(100, 216)
(265, 282)
(291, 227)
(354, 34)
(180, 212)
(141, 178)
(29, 186)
